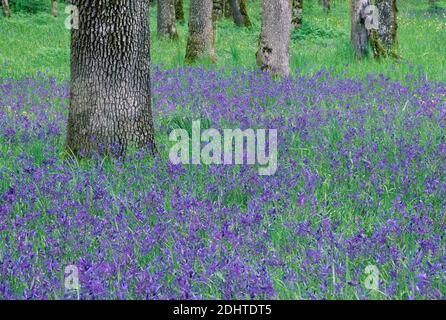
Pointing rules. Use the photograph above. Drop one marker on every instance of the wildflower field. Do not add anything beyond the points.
(360, 183)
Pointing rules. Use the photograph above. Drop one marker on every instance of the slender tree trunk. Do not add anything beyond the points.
(236, 14)
(385, 39)
(359, 34)
(167, 25)
(245, 14)
(179, 10)
(6, 10)
(273, 52)
(54, 11)
(297, 7)
(110, 95)
(326, 4)
(200, 40)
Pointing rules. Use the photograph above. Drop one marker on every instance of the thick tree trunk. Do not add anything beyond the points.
(297, 7)
(273, 52)
(200, 40)
(245, 14)
(6, 10)
(110, 95)
(54, 11)
(359, 34)
(179, 10)
(167, 24)
(326, 4)
(385, 39)
(236, 14)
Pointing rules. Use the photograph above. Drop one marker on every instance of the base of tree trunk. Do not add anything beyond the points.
(54, 11)
(201, 33)
(110, 90)
(6, 9)
(360, 36)
(384, 41)
(274, 43)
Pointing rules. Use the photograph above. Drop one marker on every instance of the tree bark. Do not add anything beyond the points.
(110, 95)
(245, 14)
(297, 7)
(385, 39)
(236, 14)
(273, 52)
(359, 34)
(6, 9)
(54, 11)
(166, 21)
(200, 40)
(179, 10)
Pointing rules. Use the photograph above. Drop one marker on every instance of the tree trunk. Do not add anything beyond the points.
(200, 40)
(273, 52)
(359, 33)
(167, 25)
(6, 10)
(54, 11)
(245, 14)
(297, 7)
(236, 14)
(110, 95)
(326, 5)
(179, 10)
(385, 40)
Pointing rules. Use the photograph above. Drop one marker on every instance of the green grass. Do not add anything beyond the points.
(39, 42)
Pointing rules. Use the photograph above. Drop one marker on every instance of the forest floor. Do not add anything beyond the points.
(33, 43)
(356, 209)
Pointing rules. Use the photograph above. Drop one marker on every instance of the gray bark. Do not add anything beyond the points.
(359, 34)
(166, 21)
(6, 9)
(273, 52)
(54, 11)
(236, 14)
(110, 95)
(200, 40)
(297, 7)
(385, 40)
